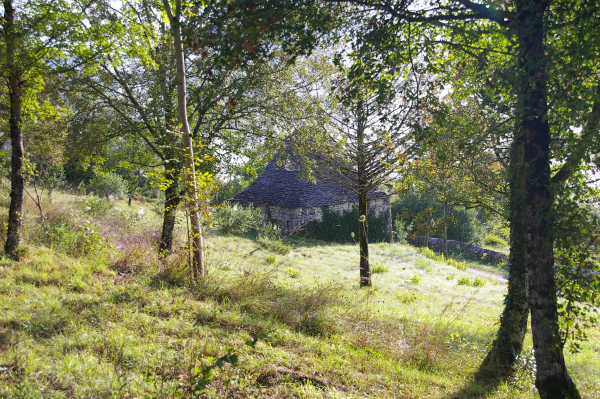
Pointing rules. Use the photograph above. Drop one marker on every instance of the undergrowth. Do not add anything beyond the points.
(122, 322)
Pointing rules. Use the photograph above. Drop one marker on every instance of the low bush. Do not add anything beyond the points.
(108, 184)
(472, 282)
(69, 237)
(459, 265)
(269, 237)
(271, 259)
(95, 206)
(407, 297)
(380, 268)
(277, 246)
(343, 227)
(236, 220)
(494, 241)
(464, 226)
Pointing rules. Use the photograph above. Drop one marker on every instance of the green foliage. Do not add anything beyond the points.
(400, 230)
(95, 206)
(494, 241)
(201, 376)
(407, 297)
(472, 282)
(4, 204)
(459, 265)
(343, 227)
(271, 259)
(577, 245)
(236, 220)
(228, 190)
(292, 273)
(380, 268)
(269, 237)
(430, 254)
(108, 184)
(414, 210)
(67, 236)
(415, 279)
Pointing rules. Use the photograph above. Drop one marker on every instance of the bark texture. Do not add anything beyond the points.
(190, 172)
(508, 345)
(17, 183)
(363, 241)
(552, 378)
(172, 201)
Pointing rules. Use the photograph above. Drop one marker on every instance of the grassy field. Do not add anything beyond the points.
(93, 314)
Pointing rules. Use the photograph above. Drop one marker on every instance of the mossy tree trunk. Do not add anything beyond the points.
(17, 183)
(552, 377)
(508, 345)
(172, 201)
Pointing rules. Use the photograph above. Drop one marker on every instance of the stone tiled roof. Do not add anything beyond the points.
(284, 187)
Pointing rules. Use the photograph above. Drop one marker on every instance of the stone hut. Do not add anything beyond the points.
(286, 199)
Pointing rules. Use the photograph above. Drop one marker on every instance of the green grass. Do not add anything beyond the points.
(121, 324)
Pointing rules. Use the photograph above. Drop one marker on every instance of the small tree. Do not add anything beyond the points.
(366, 141)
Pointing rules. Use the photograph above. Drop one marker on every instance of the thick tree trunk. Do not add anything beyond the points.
(363, 241)
(190, 171)
(500, 361)
(17, 183)
(552, 378)
(172, 200)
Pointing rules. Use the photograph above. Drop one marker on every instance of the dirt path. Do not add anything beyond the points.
(501, 278)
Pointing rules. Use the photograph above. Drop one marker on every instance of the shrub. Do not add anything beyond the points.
(494, 241)
(464, 227)
(64, 235)
(237, 220)
(343, 227)
(292, 273)
(95, 206)
(277, 246)
(415, 279)
(380, 268)
(473, 282)
(108, 184)
(269, 237)
(457, 264)
(271, 259)
(400, 230)
(407, 297)
(430, 254)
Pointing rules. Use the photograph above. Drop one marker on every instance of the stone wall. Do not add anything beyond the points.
(293, 218)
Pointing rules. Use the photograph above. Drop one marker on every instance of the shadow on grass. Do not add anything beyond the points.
(483, 385)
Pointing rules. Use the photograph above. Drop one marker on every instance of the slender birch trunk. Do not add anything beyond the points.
(190, 171)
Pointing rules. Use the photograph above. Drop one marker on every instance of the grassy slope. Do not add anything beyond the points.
(122, 325)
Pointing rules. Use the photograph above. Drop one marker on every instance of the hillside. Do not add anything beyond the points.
(84, 319)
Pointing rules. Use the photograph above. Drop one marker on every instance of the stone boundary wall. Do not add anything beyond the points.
(435, 244)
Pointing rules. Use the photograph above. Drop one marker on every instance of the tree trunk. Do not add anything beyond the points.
(172, 200)
(500, 361)
(363, 241)
(552, 378)
(137, 183)
(189, 168)
(445, 238)
(17, 183)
